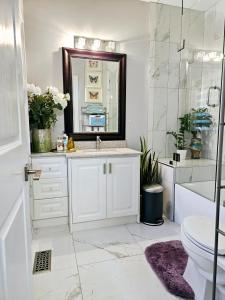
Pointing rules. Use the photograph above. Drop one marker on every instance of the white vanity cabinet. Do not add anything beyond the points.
(88, 189)
(104, 188)
(122, 186)
(50, 192)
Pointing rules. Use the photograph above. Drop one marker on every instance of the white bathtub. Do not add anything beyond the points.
(196, 198)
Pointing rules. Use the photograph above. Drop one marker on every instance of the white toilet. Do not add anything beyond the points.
(197, 236)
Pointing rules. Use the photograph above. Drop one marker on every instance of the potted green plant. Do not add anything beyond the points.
(43, 107)
(180, 143)
(151, 191)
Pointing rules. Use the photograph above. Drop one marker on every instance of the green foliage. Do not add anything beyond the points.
(149, 168)
(42, 112)
(185, 123)
(180, 140)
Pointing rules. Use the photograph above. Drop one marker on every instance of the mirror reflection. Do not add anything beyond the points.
(95, 94)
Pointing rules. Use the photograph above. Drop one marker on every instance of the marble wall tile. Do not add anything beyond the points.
(175, 24)
(170, 146)
(209, 28)
(150, 139)
(159, 108)
(196, 29)
(183, 175)
(172, 109)
(174, 66)
(183, 102)
(151, 109)
(159, 22)
(194, 76)
(159, 51)
(158, 142)
(158, 74)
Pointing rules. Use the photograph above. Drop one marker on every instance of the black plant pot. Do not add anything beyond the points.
(152, 205)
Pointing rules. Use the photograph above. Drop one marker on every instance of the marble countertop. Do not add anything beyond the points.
(91, 153)
(188, 163)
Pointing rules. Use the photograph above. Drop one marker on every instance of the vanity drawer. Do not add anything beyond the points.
(51, 167)
(50, 188)
(50, 208)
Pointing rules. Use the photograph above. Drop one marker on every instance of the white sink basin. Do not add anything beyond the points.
(99, 150)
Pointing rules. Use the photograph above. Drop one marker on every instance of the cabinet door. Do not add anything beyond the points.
(123, 183)
(88, 189)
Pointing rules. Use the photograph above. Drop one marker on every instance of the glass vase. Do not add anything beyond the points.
(41, 140)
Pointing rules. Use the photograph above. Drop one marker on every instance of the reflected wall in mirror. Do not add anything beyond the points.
(96, 82)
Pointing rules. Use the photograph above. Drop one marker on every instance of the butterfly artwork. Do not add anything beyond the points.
(93, 95)
(94, 79)
(94, 65)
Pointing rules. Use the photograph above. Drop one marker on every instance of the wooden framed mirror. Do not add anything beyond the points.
(96, 82)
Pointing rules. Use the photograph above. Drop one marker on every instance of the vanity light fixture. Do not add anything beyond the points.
(81, 43)
(94, 44)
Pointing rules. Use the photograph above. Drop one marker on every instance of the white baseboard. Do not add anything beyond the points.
(50, 222)
(103, 223)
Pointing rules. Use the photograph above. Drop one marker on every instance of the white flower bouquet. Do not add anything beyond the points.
(43, 106)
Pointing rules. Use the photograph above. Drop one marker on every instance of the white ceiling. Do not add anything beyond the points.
(194, 4)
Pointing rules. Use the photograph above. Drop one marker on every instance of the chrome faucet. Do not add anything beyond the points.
(98, 142)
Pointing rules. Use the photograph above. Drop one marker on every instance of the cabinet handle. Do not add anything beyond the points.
(104, 168)
(110, 168)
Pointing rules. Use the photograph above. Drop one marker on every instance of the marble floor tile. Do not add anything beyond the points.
(145, 243)
(104, 244)
(101, 264)
(57, 285)
(145, 232)
(127, 278)
(63, 282)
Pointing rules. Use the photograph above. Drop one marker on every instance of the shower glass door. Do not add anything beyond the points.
(201, 63)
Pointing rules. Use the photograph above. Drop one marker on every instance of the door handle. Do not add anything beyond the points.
(28, 171)
(110, 168)
(104, 168)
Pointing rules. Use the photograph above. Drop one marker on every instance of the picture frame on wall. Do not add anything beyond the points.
(93, 95)
(93, 79)
(93, 65)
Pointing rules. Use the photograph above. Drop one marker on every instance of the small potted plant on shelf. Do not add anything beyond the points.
(151, 190)
(180, 143)
(43, 107)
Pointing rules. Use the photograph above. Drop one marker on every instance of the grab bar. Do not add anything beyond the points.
(209, 94)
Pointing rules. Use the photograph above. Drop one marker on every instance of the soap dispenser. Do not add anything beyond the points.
(71, 144)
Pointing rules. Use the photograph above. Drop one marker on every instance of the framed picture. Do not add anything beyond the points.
(93, 65)
(93, 95)
(94, 79)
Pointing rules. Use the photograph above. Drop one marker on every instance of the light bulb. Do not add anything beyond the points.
(96, 44)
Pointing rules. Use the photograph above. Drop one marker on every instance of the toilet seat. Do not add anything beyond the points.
(200, 230)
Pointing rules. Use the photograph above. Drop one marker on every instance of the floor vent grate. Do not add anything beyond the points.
(42, 261)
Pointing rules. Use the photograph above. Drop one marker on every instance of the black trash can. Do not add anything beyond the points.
(152, 205)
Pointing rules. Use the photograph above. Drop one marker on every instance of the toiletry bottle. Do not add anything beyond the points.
(65, 141)
(70, 146)
(59, 146)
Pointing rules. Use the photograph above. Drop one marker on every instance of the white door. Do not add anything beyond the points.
(122, 186)
(88, 189)
(15, 243)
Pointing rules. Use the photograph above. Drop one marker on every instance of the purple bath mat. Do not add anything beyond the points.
(169, 260)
